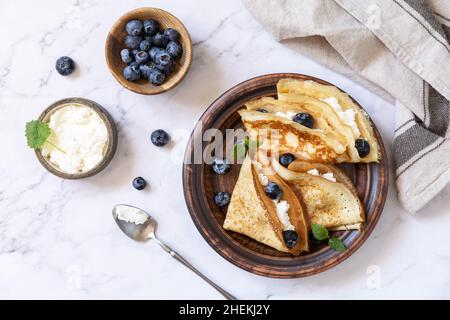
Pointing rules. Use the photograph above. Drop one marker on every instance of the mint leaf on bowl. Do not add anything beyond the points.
(336, 244)
(37, 134)
(319, 232)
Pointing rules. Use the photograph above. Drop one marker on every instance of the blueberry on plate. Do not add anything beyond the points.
(363, 147)
(305, 119)
(290, 238)
(156, 77)
(142, 57)
(163, 59)
(313, 240)
(126, 56)
(139, 183)
(132, 73)
(132, 42)
(151, 27)
(65, 66)
(262, 110)
(160, 138)
(146, 68)
(154, 51)
(171, 34)
(286, 159)
(159, 40)
(273, 190)
(221, 199)
(221, 166)
(134, 28)
(174, 49)
(145, 45)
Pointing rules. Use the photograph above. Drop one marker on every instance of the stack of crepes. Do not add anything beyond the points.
(290, 181)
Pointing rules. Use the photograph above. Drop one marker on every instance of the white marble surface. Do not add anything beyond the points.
(57, 238)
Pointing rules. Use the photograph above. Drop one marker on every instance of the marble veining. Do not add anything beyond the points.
(57, 238)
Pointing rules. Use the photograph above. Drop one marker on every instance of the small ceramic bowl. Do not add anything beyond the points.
(115, 43)
(110, 148)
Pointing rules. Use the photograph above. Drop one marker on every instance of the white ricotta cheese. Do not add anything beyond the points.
(81, 134)
(287, 115)
(328, 175)
(282, 212)
(347, 116)
(131, 215)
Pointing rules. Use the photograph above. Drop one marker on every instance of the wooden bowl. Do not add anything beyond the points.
(115, 43)
(200, 184)
(110, 148)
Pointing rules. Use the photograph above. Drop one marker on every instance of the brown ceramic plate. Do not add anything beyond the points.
(115, 43)
(200, 184)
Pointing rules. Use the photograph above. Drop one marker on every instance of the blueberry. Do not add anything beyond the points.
(273, 191)
(163, 59)
(262, 110)
(142, 57)
(134, 27)
(151, 27)
(286, 159)
(160, 138)
(156, 77)
(126, 56)
(314, 241)
(154, 51)
(134, 52)
(174, 49)
(290, 238)
(221, 199)
(159, 40)
(221, 166)
(363, 147)
(304, 119)
(132, 42)
(134, 64)
(146, 68)
(132, 73)
(167, 70)
(145, 45)
(65, 66)
(171, 34)
(139, 183)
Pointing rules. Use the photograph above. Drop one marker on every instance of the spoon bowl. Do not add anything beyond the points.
(136, 231)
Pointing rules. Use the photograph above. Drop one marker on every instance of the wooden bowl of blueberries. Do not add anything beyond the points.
(148, 51)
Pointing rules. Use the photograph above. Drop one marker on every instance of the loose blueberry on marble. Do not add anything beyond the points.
(304, 119)
(160, 138)
(221, 199)
(174, 49)
(171, 34)
(132, 42)
(145, 45)
(139, 183)
(221, 166)
(363, 147)
(290, 238)
(126, 56)
(286, 159)
(134, 27)
(132, 73)
(151, 27)
(156, 77)
(142, 57)
(273, 191)
(65, 66)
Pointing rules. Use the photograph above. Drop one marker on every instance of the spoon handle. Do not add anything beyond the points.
(178, 257)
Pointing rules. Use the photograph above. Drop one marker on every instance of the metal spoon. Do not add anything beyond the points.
(146, 230)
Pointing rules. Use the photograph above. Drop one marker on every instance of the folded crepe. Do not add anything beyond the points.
(329, 196)
(338, 102)
(252, 213)
(281, 135)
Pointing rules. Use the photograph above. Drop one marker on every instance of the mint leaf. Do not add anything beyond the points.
(336, 244)
(37, 133)
(319, 232)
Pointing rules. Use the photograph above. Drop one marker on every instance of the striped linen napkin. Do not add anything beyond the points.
(400, 49)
